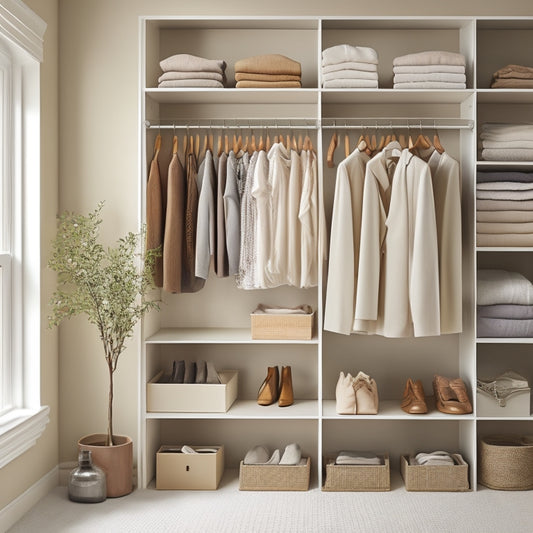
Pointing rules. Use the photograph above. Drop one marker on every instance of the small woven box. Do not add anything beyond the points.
(352, 478)
(506, 462)
(282, 327)
(438, 478)
(275, 477)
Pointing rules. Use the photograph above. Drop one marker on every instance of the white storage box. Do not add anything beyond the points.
(517, 404)
(192, 397)
(177, 470)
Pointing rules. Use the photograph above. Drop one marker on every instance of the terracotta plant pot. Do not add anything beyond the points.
(116, 461)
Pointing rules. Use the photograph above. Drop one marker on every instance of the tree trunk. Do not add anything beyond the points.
(109, 440)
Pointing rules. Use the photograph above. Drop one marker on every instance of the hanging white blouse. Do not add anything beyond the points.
(294, 226)
(344, 244)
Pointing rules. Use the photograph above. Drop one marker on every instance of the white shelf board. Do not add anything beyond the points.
(214, 336)
(504, 340)
(233, 22)
(249, 409)
(390, 410)
(504, 249)
(232, 96)
(505, 165)
(394, 23)
(395, 96)
(505, 96)
(506, 418)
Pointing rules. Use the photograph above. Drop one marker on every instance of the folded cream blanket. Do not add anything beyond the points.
(493, 131)
(496, 286)
(507, 154)
(522, 217)
(433, 57)
(350, 65)
(504, 186)
(429, 85)
(518, 312)
(514, 71)
(251, 84)
(504, 205)
(269, 64)
(172, 75)
(346, 52)
(449, 77)
(190, 83)
(350, 83)
(512, 83)
(504, 239)
(504, 195)
(303, 309)
(358, 458)
(504, 227)
(485, 177)
(187, 62)
(249, 76)
(351, 74)
(507, 144)
(428, 69)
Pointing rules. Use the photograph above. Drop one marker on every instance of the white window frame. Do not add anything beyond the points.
(22, 417)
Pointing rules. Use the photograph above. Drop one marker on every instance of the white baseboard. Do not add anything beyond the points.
(15, 510)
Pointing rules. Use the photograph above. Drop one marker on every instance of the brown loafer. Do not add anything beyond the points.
(451, 396)
(414, 400)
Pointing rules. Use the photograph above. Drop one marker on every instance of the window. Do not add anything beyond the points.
(22, 418)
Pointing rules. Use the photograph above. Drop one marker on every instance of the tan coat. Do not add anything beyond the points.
(154, 213)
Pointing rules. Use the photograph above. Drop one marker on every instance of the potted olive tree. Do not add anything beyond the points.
(111, 286)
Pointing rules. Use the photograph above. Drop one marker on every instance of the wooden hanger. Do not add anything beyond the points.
(308, 143)
(253, 145)
(403, 141)
(300, 142)
(211, 142)
(197, 146)
(175, 145)
(219, 145)
(157, 144)
(268, 143)
(206, 145)
(436, 143)
(294, 143)
(346, 145)
(381, 143)
(235, 146)
(261, 145)
(420, 144)
(331, 149)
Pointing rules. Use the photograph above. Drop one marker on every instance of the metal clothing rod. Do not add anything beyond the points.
(403, 123)
(270, 125)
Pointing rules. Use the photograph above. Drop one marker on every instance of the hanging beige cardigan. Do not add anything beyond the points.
(154, 213)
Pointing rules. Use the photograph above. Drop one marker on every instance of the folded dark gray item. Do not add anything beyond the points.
(212, 374)
(508, 311)
(201, 371)
(504, 327)
(190, 372)
(178, 371)
(486, 177)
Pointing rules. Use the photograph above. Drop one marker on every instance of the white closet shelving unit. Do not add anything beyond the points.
(214, 323)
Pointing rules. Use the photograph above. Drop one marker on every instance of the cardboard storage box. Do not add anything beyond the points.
(177, 470)
(275, 477)
(438, 478)
(517, 404)
(282, 327)
(352, 478)
(192, 397)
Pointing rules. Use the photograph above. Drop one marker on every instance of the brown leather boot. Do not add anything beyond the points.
(286, 395)
(269, 390)
(414, 401)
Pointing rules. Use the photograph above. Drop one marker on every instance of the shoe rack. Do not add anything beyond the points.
(214, 324)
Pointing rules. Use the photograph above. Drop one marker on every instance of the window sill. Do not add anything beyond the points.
(19, 431)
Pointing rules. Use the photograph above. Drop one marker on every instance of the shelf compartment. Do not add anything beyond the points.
(505, 96)
(395, 96)
(214, 336)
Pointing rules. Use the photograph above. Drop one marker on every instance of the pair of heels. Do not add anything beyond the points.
(272, 391)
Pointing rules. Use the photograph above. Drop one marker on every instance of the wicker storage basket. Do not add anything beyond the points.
(506, 462)
(353, 478)
(282, 327)
(275, 477)
(437, 478)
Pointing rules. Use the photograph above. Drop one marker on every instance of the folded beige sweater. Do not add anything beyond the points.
(512, 83)
(251, 84)
(514, 71)
(188, 62)
(504, 239)
(249, 76)
(167, 76)
(435, 57)
(522, 217)
(269, 64)
(504, 227)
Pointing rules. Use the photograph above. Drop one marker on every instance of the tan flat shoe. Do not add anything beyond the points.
(269, 390)
(286, 395)
(414, 400)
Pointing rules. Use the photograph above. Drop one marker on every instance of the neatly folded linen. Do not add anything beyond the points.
(514, 71)
(522, 217)
(351, 83)
(351, 74)
(346, 52)
(263, 309)
(504, 227)
(512, 83)
(522, 177)
(269, 64)
(350, 65)
(429, 85)
(187, 62)
(504, 205)
(172, 75)
(507, 144)
(507, 154)
(504, 195)
(250, 84)
(250, 76)
(504, 239)
(358, 458)
(433, 57)
(428, 69)
(190, 83)
(434, 458)
(500, 131)
(504, 327)
(449, 77)
(517, 312)
(496, 286)
(504, 186)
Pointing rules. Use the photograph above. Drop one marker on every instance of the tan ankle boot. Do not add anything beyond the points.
(269, 390)
(286, 395)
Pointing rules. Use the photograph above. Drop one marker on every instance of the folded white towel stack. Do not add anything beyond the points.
(430, 70)
(347, 66)
(185, 70)
(358, 458)
(507, 142)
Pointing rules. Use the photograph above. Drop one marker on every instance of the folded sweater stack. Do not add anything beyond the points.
(507, 142)
(504, 211)
(505, 304)
(358, 458)
(513, 77)
(185, 70)
(346, 66)
(430, 70)
(268, 71)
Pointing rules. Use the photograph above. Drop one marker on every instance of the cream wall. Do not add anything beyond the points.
(31, 466)
(99, 156)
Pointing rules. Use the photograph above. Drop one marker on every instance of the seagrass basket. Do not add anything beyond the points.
(282, 327)
(354, 478)
(506, 462)
(275, 477)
